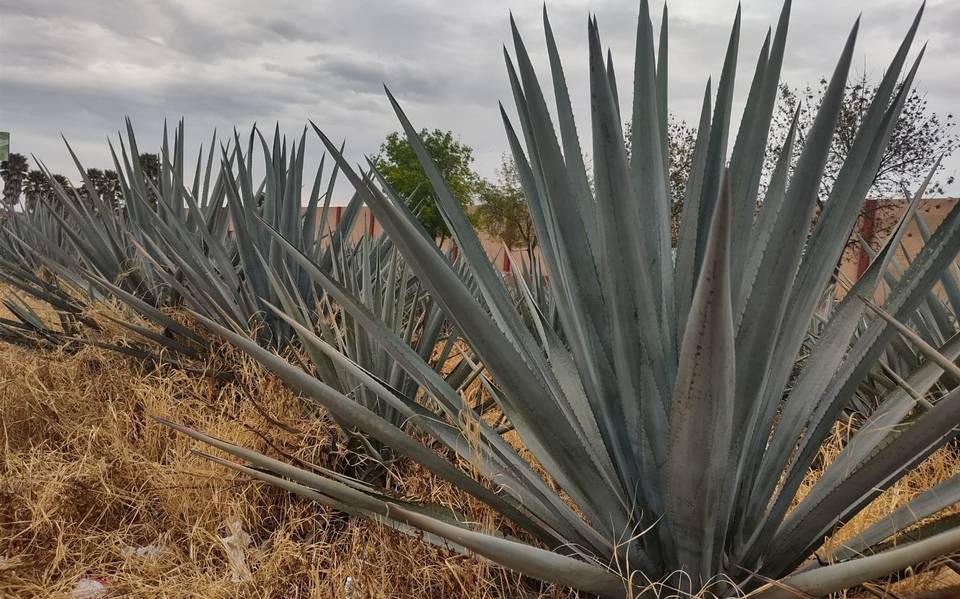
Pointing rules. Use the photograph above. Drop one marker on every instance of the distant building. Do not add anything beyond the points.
(876, 222)
(367, 223)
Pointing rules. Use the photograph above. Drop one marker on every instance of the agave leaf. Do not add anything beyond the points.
(922, 506)
(717, 148)
(612, 77)
(309, 493)
(631, 299)
(767, 303)
(819, 511)
(897, 405)
(701, 416)
(950, 278)
(353, 414)
(572, 152)
(529, 560)
(748, 151)
(647, 171)
(763, 229)
(685, 268)
(823, 581)
(662, 88)
(565, 369)
(932, 354)
(328, 488)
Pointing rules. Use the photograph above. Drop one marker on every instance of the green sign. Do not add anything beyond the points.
(4, 145)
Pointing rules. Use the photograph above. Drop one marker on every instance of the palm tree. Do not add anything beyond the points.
(106, 184)
(37, 187)
(13, 170)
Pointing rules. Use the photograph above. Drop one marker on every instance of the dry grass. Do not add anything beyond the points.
(940, 466)
(86, 475)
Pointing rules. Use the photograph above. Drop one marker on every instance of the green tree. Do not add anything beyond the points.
(502, 209)
(13, 171)
(106, 182)
(398, 164)
(35, 189)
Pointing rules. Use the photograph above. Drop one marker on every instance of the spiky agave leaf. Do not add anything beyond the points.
(936, 321)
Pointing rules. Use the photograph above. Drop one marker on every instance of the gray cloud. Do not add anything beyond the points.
(79, 68)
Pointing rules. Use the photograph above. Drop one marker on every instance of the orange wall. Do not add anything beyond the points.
(366, 222)
(876, 223)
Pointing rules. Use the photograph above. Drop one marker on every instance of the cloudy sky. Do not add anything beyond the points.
(78, 68)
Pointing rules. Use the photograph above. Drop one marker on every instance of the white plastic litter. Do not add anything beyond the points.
(147, 552)
(89, 588)
(236, 547)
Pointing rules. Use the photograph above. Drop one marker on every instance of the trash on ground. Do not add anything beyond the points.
(236, 546)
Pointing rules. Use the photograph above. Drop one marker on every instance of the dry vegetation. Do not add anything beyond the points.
(86, 475)
(938, 467)
(86, 478)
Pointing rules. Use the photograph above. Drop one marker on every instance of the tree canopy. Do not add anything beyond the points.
(502, 209)
(398, 164)
(919, 137)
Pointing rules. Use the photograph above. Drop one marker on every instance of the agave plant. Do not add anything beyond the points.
(935, 323)
(375, 276)
(21, 268)
(78, 250)
(935, 320)
(235, 279)
(214, 254)
(206, 245)
(41, 259)
(664, 413)
(176, 240)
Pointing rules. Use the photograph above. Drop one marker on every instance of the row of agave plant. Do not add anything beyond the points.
(676, 404)
(935, 321)
(204, 245)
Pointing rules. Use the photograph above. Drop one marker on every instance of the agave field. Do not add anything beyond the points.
(644, 419)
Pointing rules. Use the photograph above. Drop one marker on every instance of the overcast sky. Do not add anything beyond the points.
(78, 68)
